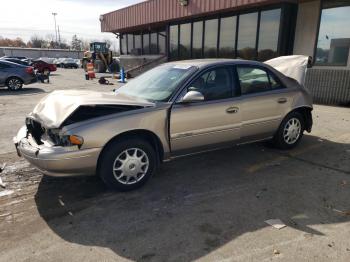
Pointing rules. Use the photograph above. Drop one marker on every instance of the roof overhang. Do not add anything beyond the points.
(155, 13)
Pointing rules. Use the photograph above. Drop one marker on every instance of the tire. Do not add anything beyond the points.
(137, 169)
(14, 83)
(290, 131)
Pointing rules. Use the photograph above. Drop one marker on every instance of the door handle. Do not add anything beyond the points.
(282, 100)
(232, 110)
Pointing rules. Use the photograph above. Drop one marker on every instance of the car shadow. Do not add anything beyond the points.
(24, 91)
(197, 204)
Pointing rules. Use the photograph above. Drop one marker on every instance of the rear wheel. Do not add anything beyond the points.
(14, 84)
(290, 131)
(127, 165)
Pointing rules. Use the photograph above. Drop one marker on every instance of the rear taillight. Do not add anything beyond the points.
(29, 70)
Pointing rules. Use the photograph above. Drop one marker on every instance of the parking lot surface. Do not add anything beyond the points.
(207, 207)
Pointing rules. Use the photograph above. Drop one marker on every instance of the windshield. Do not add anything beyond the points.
(157, 84)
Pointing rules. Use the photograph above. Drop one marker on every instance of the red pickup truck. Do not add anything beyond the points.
(42, 66)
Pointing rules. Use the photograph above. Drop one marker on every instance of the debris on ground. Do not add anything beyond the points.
(343, 183)
(276, 252)
(2, 184)
(61, 202)
(345, 213)
(104, 81)
(6, 193)
(331, 244)
(258, 194)
(3, 167)
(5, 214)
(276, 223)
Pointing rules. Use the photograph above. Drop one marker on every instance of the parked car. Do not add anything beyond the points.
(174, 109)
(58, 61)
(16, 61)
(14, 76)
(16, 57)
(78, 62)
(28, 60)
(42, 66)
(68, 63)
(48, 60)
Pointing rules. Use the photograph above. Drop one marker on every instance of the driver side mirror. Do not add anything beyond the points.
(192, 96)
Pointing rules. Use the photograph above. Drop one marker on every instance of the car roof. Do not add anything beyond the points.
(215, 61)
(13, 59)
(6, 62)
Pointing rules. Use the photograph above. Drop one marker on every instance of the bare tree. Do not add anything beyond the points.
(36, 42)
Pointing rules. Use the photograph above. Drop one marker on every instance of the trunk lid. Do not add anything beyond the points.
(294, 66)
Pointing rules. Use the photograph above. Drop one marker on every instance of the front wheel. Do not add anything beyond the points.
(290, 131)
(127, 165)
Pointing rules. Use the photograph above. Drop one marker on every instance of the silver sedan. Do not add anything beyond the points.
(174, 109)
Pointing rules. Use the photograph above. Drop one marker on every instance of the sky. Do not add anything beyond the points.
(24, 18)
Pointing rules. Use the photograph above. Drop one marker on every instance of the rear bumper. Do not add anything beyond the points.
(57, 160)
(30, 80)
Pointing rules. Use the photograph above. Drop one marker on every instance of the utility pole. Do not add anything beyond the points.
(59, 36)
(54, 17)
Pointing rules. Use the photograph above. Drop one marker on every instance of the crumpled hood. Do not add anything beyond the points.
(293, 66)
(53, 109)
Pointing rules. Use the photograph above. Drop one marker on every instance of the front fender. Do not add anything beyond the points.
(98, 133)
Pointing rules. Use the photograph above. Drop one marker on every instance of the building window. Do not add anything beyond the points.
(162, 42)
(268, 35)
(130, 43)
(154, 44)
(197, 43)
(334, 35)
(138, 45)
(123, 48)
(185, 41)
(211, 38)
(247, 36)
(145, 37)
(227, 37)
(173, 42)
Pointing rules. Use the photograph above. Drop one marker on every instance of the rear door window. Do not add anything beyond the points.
(255, 80)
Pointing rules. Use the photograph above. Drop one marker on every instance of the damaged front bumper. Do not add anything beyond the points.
(56, 160)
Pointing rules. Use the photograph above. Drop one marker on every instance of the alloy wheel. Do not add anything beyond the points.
(292, 131)
(130, 166)
(14, 84)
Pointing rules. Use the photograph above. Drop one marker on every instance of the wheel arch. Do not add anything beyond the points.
(144, 134)
(13, 76)
(305, 111)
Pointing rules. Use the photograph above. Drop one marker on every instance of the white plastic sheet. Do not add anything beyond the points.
(294, 66)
